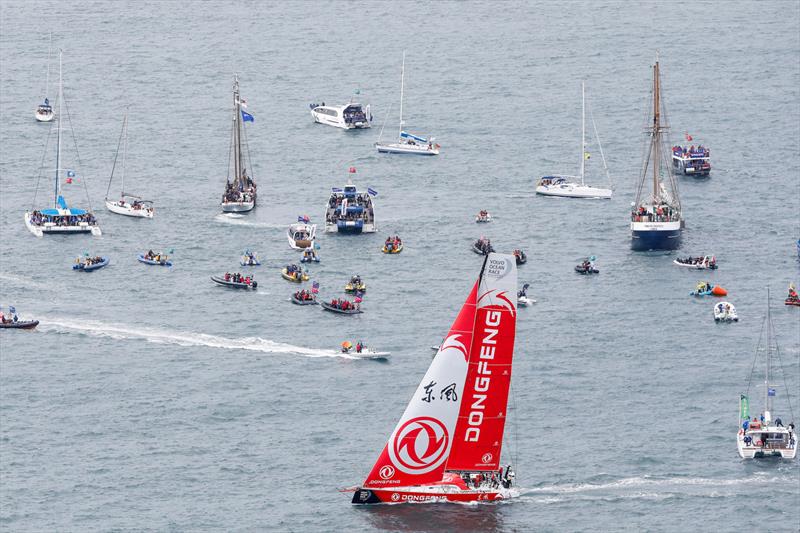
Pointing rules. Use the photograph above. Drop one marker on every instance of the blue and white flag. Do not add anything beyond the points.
(771, 392)
(303, 218)
(336, 189)
(247, 117)
(70, 173)
(373, 192)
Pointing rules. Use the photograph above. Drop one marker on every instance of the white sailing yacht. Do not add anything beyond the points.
(575, 186)
(60, 218)
(765, 436)
(407, 143)
(128, 204)
(44, 112)
(240, 192)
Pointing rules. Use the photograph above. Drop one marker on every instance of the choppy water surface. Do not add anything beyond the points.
(152, 399)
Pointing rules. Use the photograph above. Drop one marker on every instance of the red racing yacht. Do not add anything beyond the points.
(446, 446)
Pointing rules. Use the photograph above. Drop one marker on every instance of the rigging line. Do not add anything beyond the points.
(755, 358)
(247, 149)
(119, 143)
(384, 122)
(785, 385)
(230, 149)
(41, 165)
(600, 145)
(78, 155)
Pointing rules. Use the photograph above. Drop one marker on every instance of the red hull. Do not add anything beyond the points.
(368, 496)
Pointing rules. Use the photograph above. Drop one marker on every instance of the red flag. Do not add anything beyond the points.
(688, 137)
(69, 180)
(352, 170)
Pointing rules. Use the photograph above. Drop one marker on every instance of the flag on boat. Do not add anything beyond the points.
(358, 299)
(744, 407)
(771, 392)
(336, 189)
(315, 287)
(352, 170)
(587, 155)
(373, 192)
(247, 117)
(70, 175)
(68, 180)
(688, 137)
(303, 218)
(406, 135)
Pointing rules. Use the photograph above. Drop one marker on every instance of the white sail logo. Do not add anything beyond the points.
(453, 342)
(387, 472)
(420, 445)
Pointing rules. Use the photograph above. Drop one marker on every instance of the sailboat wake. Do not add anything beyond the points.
(178, 338)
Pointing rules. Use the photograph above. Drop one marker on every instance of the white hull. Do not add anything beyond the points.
(784, 450)
(44, 117)
(302, 244)
(525, 301)
(334, 116)
(723, 315)
(574, 190)
(405, 148)
(237, 207)
(128, 210)
(366, 228)
(51, 229)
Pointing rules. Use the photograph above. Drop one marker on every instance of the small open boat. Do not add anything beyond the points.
(296, 299)
(586, 269)
(725, 312)
(333, 309)
(235, 284)
(523, 300)
(520, 257)
(249, 259)
(392, 246)
(295, 276)
(157, 259)
(356, 284)
(90, 264)
(706, 289)
(482, 246)
(309, 256)
(708, 262)
(483, 217)
(19, 324)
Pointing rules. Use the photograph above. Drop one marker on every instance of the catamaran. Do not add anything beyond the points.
(128, 204)
(765, 436)
(240, 192)
(573, 186)
(60, 218)
(44, 112)
(350, 210)
(407, 143)
(447, 445)
(656, 215)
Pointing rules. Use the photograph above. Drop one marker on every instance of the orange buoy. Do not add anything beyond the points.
(719, 291)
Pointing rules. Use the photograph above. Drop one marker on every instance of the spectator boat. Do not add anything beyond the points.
(240, 189)
(692, 160)
(129, 205)
(350, 211)
(349, 116)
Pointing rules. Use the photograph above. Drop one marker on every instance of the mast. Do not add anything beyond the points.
(583, 129)
(656, 139)
(402, 83)
(767, 401)
(237, 134)
(47, 79)
(124, 149)
(58, 130)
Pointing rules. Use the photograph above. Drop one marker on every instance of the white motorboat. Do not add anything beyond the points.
(240, 189)
(128, 204)
(350, 211)
(691, 160)
(44, 111)
(725, 312)
(301, 235)
(706, 262)
(406, 143)
(575, 186)
(483, 217)
(523, 300)
(349, 116)
(765, 436)
(61, 219)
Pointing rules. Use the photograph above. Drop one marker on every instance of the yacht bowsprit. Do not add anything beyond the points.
(447, 445)
(350, 211)
(656, 214)
(240, 191)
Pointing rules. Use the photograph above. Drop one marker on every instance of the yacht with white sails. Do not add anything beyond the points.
(575, 186)
(349, 116)
(766, 436)
(656, 214)
(128, 204)
(448, 443)
(240, 189)
(44, 111)
(349, 210)
(60, 218)
(407, 143)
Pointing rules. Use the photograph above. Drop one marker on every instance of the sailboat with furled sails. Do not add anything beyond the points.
(656, 214)
(240, 189)
(447, 445)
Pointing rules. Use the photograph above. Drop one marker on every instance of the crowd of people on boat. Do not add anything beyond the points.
(233, 193)
(703, 287)
(655, 213)
(8, 318)
(392, 243)
(347, 346)
(691, 151)
(356, 284)
(294, 271)
(249, 258)
(484, 245)
(351, 115)
(483, 216)
(344, 305)
(551, 180)
(792, 297)
(238, 278)
(304, 296)
(706, 261)
(88, 261)
(153, 256)
(482, 480)
(38, 219)
(135, 205)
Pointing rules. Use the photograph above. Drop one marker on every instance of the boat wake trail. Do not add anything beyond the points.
(240, 220)
(178, 338)
(21, 281)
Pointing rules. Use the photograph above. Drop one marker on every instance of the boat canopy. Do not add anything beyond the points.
(406, 135)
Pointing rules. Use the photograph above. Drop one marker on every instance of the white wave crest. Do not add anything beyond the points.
(240, 220)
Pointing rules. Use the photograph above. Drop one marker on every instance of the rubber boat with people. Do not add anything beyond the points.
(304, 297)
(359, 350)
(309, 256)
(356, 284)
(692, 160)
(482, 246)
(341, 306)
(350, 116)
(766, 437)
(154, 258)
(520, 257)
(392, 245)
(90, 264)
(483, 217)
(587, 266)
(523, 300)
(236, 281)
(10, 320)
(725, 312)
(705, 288)
(294, 273)
(448, 444)
(301, 234)
(705, 262)
(249, 258)
(792, 298)
(350, 211)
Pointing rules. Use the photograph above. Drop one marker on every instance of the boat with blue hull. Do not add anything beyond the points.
(656, 214)
(350, 211)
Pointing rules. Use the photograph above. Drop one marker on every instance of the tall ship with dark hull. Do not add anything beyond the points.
(656, 214)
